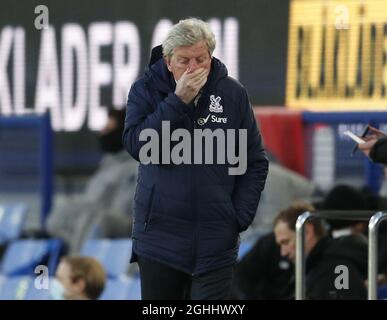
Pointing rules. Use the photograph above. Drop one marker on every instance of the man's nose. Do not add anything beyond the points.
(193, 65)
(284, 251)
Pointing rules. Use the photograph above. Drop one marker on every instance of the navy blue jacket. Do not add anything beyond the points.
(189, 216)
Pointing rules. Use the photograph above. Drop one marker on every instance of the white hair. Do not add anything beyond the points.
(187, 33)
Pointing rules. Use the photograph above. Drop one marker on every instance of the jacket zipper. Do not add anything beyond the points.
(195, 222)
(193, 184)
(193, 194)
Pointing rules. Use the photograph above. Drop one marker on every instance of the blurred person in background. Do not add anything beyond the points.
(106, 203)
(78, 278)
(188, 217)
(323, 255)
(263, 274)
(345, 198)
(350, 235)
(375, 148)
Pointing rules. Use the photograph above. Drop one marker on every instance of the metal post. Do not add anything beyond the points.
(373, 227)
(300, 259)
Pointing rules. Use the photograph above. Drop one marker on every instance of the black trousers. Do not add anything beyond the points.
(161, 282)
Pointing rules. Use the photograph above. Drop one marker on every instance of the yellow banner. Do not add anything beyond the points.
(337, 55)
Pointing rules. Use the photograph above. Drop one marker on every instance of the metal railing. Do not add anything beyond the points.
(373, 228)
(374, 219)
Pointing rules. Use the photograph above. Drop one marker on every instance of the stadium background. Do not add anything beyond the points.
(292, 56)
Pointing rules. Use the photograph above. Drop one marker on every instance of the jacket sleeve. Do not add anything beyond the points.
(379, 151)
(141, 114)
(248, 187)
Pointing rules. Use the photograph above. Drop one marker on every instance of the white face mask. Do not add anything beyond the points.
(56, 290)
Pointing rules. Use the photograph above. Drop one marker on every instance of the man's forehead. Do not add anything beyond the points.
(281, 225)
(197, 49)
(282, 230)
(190, 54)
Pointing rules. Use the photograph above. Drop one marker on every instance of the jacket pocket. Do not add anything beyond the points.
(143, 201)
(148, 215)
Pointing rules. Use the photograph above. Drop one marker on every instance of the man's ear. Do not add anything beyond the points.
(167, 61)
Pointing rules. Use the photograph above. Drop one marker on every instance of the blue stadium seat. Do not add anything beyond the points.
(12, 218)
(14, 288)
(21, 288)
(117, 289)
(114, 254)
(244, 248)
(135, 288)
(23, 256)
(34, 293)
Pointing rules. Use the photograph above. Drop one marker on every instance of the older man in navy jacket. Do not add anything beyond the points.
(189, 211)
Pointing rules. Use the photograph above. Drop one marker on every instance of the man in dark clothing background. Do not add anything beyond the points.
(263, 274)
(187, 217)
(323, 256)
